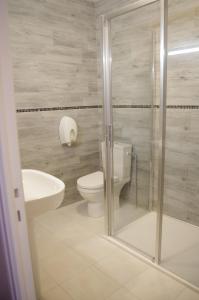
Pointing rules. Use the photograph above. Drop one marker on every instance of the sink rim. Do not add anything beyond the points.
(60, 186)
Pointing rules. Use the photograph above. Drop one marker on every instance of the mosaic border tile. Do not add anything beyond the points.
(100, 106)
(157, 106)
(37, 109)
(183, 106)
(135, 106)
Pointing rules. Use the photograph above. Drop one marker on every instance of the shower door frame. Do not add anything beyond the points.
(108, 114)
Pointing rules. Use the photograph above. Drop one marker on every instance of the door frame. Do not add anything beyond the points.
(12, 212)
(108, 114)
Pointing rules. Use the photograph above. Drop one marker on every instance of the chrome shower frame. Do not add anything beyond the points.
(108, 114)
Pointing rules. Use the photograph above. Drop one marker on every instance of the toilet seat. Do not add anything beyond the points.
(93, 181)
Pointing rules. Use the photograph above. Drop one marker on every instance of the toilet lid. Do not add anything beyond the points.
(92, 181)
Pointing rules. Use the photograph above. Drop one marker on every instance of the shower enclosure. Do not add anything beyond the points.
(148, 89)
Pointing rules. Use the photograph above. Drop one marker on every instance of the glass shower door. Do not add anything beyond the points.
(135, 57)
(180, 239)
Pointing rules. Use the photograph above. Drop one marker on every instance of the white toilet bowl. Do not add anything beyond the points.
(91, 188)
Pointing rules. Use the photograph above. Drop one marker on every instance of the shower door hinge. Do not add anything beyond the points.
(19, 215)
(109, 133)
(16, 192)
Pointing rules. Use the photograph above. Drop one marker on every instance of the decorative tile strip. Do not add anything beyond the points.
(183, 106)
(157, 106)
(57, 108)
(135, 106)
(100, 106)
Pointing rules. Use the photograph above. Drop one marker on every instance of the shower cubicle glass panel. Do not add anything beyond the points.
(160, 122)
(134, 52)
(180, 239)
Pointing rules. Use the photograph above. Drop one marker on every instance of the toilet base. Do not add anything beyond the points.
(96, 209)
(95, 199)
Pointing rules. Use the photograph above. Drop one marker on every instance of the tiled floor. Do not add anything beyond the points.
(76, 263)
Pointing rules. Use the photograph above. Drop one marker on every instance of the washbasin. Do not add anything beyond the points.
(42, 192)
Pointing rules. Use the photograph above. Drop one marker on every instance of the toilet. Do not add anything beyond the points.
(91, 186)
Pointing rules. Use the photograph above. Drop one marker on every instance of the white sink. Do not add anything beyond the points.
(42, 192)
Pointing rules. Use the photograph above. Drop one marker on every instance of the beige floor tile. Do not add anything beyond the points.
(74, 235)
(78, 210)
(121, 266)
(90, 285)
(188, 294)
(46, 245)
(38, 229)
(95, 249)
(56, 222)
(79, 207)
(46, 282)
(122, 294)
(94, 225)
(64, 264)
(56, 293)
(80, 216)
(154, 285)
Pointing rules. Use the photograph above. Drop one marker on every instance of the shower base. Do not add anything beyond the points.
(180, 244)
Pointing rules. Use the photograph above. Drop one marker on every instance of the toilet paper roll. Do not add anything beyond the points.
(68, 131)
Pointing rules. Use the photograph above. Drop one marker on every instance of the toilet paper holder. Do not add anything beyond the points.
(68, 131)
